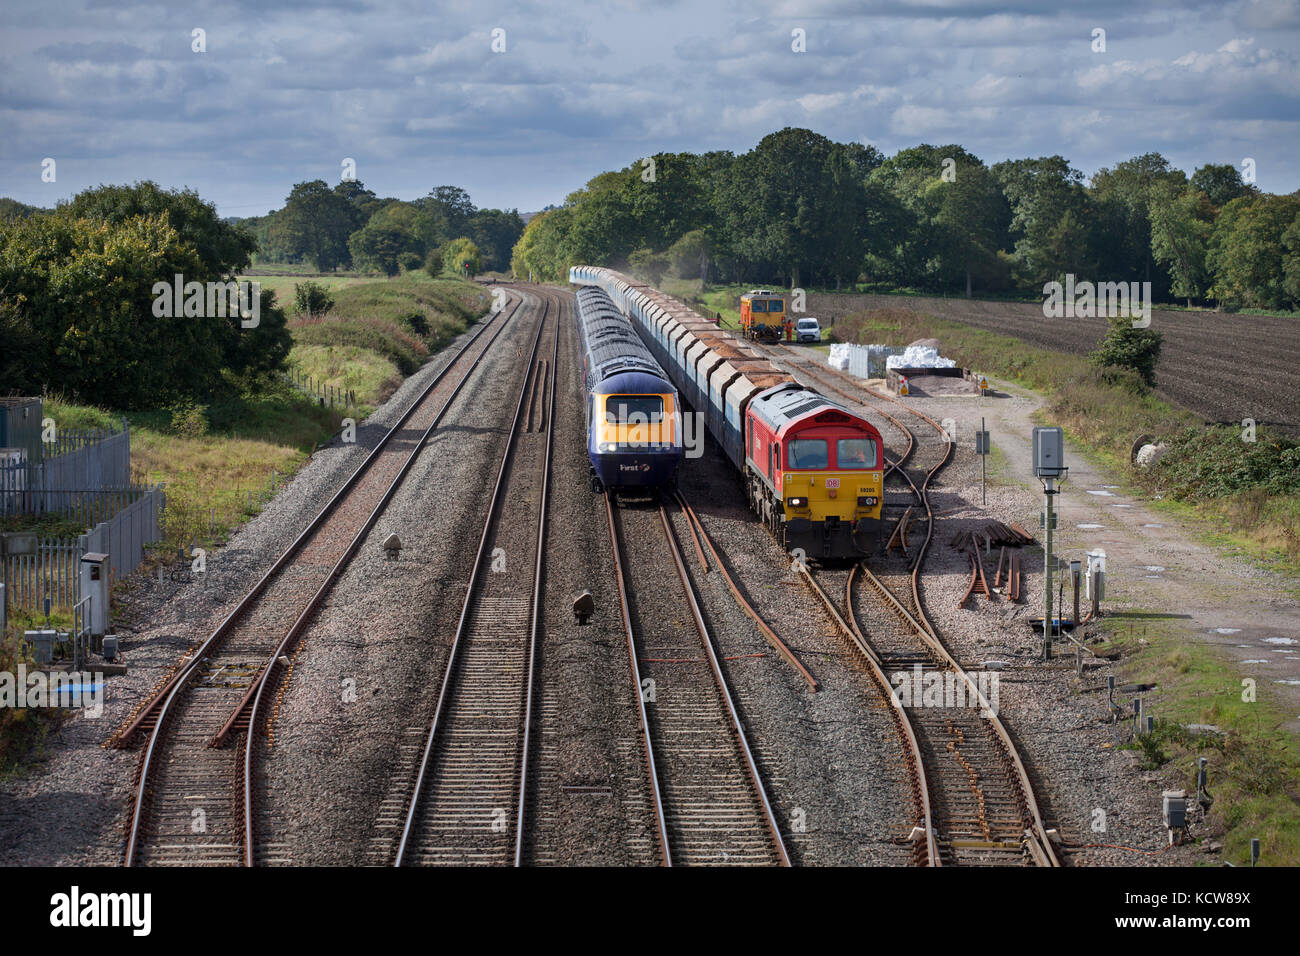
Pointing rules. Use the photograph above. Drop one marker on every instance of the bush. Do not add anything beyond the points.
(410, 261)
(189, 420)
(417, 322)
(311, 298)
(1217, 462)
(648, 264)
(1125, 347)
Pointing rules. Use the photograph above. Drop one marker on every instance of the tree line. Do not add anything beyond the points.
(77, 295)
(347, 226)
(77, 283)
(802, 209)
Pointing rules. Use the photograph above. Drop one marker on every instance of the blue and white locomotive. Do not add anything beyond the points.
(634, 439)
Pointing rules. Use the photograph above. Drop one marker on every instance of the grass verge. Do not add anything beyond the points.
(1254, 765)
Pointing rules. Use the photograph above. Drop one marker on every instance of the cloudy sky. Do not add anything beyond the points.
(113, 91)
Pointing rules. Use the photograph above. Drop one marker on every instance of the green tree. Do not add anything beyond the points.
(543, 251)
(317, 222)
(495, 232)
(648, 264)
(360, 198)
(397, 228)
(971, 222)
(12, 209)
(1291, 261)
(689, 255)
(1221, 183)
(461, 257)
(84, 290)
(222, 248)
(1048, 218)
(1125, 249)
(311, 299)
(777, 198)
(1247, 252)
(453, 205)
(1181, 222)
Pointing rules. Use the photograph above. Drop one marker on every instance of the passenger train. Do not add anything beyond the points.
(813, 470)
(633, 419)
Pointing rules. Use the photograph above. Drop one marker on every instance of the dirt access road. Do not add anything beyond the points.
(1153, 563)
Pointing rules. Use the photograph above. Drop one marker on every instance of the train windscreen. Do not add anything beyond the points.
(807, 453)
(634, 409)
(853, 453)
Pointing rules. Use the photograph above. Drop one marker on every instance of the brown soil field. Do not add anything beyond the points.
(1221, 366)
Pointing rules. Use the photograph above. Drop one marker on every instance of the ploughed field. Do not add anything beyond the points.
(1221, 366)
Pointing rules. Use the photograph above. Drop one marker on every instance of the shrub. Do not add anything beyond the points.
(418, 323)
(311, 298)
(189, 420)
(410, 261)
(1125, 347)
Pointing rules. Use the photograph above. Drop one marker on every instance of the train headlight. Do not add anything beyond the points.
(868, 501)
(607, 447)
(797, 502)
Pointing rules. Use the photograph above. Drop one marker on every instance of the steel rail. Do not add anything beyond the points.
(539, 564)
(123, 736)
(255, 695)
(696, 525)
(449, 671)
(903, 724)
(943, 655)
(1040, 846)
(625, 613)
(737, 726)
(169, 692)
(1044, 850)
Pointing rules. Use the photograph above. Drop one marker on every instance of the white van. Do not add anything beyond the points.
(808, 330)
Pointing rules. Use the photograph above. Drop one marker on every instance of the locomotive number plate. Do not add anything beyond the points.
(832, 482)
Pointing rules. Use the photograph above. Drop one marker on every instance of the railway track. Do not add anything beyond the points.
(194, 801)
(709, 800)
(975, 800)
(470, 793)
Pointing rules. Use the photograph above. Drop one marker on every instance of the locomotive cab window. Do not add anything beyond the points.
(855, 453)
(807, 453)
(757, 305)
(776, 306)
(636, 409)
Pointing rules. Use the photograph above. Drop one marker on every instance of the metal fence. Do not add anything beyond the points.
(80, 463)
(124, 536)
(53, 568)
